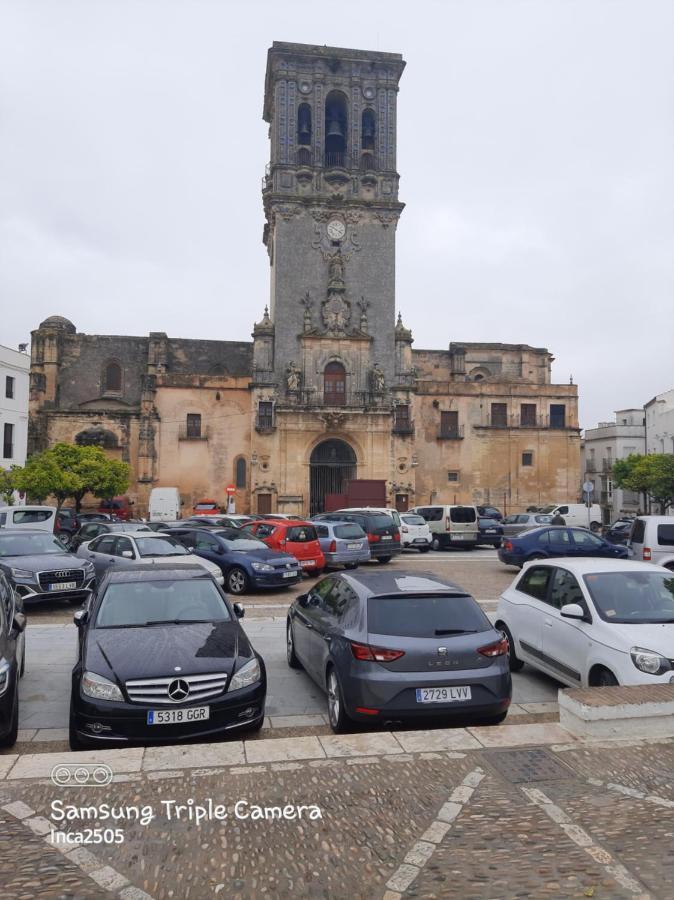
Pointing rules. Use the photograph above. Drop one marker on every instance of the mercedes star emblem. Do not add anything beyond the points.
(178, 689)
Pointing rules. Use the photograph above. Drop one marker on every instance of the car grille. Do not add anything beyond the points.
(60, 577)
(156, 690)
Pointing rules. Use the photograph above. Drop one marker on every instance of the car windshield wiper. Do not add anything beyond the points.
(176, 622)
(440, 631)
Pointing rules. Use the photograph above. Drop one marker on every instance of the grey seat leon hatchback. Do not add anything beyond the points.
(387, 647)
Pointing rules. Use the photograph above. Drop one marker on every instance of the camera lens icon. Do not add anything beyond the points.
(81, 775)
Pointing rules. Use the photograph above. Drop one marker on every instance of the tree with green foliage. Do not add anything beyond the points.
(68, 470)
(7, 485)
(651, 475)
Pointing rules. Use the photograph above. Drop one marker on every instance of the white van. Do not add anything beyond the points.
(451, 526)
(164, 504)
(41, 517)
(577, 515)
(652, 540)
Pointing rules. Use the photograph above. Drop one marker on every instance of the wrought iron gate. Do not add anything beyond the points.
(332, 466)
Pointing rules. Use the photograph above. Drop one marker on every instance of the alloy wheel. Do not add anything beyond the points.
(334, 702)
(237, 581)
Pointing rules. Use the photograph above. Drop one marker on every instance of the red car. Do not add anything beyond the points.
(118, 507)
(295, 537)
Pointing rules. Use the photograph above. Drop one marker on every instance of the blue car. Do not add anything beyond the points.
(556, 540)
(246, 562)
(343, 544)
(490, 532)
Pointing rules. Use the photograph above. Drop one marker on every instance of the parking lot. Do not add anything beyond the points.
(51, 635)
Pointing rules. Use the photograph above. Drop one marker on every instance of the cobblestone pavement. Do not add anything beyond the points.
(568, 820)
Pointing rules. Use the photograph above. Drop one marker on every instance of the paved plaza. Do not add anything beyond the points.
(519, 810)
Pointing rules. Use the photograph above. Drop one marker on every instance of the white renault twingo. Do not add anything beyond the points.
(591, 621)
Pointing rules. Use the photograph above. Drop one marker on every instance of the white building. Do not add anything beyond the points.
(14, 369)
(660, 423)
(601, 447)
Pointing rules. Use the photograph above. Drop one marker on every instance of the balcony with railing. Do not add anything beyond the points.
(193, 433)
(590, 465)
(334, 159)
(264, 424)
(304, 157)
(403, 427)
(455, 433)
(607, 464)
(313, 398)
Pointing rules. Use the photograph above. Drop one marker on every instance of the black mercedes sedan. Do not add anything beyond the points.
(162, 657)
(39, 567)
(12, 661)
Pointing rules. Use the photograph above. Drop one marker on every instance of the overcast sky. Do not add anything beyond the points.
(536, 149)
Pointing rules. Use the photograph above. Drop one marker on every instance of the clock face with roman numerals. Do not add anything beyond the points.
(336, 230)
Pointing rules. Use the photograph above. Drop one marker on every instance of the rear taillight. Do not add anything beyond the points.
(404, 529)
(373, 538)
(499, 648)
(374, 654)
(647, 554)
(396, 536)
(448, 525)
(333, 547)
(507, 545)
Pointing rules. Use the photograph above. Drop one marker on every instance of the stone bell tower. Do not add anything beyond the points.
(326, 348)
(331, 199)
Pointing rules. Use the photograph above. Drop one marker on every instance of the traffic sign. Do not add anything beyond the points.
(230, 490)
(588, 487)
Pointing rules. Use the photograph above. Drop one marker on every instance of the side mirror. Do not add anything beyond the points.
(303, 599)
(572, 611)
(20, 621)
(127, 554)
(239, 611)
(190, 549)
(81, 617)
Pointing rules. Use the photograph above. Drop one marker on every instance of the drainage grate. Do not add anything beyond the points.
(522, 766)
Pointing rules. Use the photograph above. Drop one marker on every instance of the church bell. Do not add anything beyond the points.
(335, 129)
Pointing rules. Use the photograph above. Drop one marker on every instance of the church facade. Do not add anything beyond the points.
(330, 389)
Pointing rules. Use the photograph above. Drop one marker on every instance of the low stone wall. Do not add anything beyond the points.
(642, 711)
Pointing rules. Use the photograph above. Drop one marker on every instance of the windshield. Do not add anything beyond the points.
(29, 544)
(633, 597)
(128, 526)
(413, 520)
(547, 509)
(425, 617)
(159, 547)
(207, 506)
(543, 519)
(245, 542)
(134, 603)
(237, 539)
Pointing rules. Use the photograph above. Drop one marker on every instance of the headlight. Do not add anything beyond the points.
(88, 568)
(247, 675)
(648, 661)
(261, 567)
(4, 676)
(100, 688)
(21, 573)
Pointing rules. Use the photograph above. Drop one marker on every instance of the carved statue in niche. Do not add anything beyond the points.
(336, 271)
(293, 377)
(363, 305)
(308, 305)
(378, 380)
